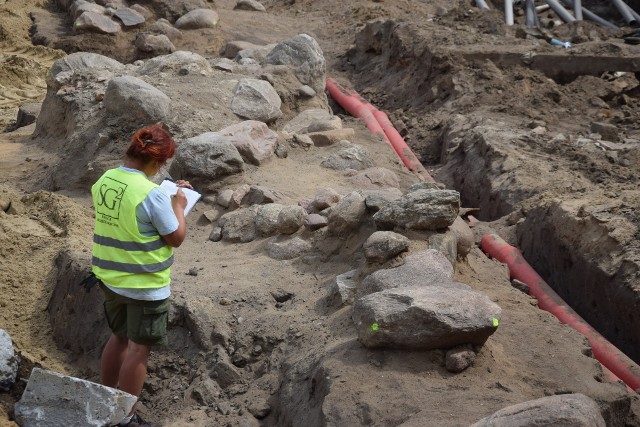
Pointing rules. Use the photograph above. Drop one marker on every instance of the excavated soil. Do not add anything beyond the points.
(515, 142)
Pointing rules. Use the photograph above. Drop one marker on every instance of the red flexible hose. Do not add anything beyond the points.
(377, 122)
(605, 352)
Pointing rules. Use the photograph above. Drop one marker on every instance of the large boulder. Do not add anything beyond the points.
(206, 157)
(253, 5)
(175, 62)
(375, 177)
(267, 219)
(79, 61)
(78, 7)
(350, 156)
(280, 249)
(304, 55)
(198, 18)
(162, 26)
(290, 219)
(425, 318)
(420, 210)
(52, 399)
(303, 122)
(426, 268)
(154, 44)
(253, 139)
(136, 100)
(347, 214)
(129, 17)
(97, 23)
(381, 246)
(575, 410)
(256, 100)
(8, 362)
(174, 9)
(239, 226)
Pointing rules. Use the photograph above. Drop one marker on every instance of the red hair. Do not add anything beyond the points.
(152, 142)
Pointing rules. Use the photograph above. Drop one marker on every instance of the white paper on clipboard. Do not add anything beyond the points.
(192, 196)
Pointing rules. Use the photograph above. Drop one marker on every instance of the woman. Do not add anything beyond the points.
(137, 226)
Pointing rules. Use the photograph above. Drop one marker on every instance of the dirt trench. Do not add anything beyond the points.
(529, 167)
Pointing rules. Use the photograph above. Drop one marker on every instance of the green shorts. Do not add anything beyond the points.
(143, 322)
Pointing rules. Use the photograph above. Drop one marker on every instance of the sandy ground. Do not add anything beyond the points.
(530, 356)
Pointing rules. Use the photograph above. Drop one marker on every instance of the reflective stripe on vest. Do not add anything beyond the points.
(122, 257)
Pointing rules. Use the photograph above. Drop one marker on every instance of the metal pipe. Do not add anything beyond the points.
(508, 12)
(577, 9)
(482, 4)
(560, 11)
(530, 14)
(593, 17)
(634, 13)
(624, 11)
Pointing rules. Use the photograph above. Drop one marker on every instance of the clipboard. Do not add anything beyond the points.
(192, 196)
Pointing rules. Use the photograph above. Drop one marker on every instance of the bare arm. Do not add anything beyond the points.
(179, 203)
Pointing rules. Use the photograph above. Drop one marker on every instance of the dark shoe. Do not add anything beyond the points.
(137, 421)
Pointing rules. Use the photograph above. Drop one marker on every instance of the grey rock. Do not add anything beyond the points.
(290, 219)
(155, 44)
(253, 5)
(78, 7)
(288, 249)
(136, 100)
(446, 243)
(301, 122)
(459, 358)
(93, 22)
(258, 195)
(212, 215)
(129, 17)
(420, 210)
(198, 18)
(304, 55)
(608, 131)
(381, 246)
(521, 286)
(256, 100)
(347, 214)
(306, 91)
(256, 54)
(352, 156)
(224, 198)
(239, 226)
(575, 410)
(303, 141)
(343, 289)
(315, 222)
(216, 234)
(174, 9)
(424, 185)
(52, 399)
(425, 318)
(239, 194)
(27, 114)
(221, 368)
(205, 391)
(175, 62)
(259, 409)
(146, 13)
(323, 199)
(464, 237)
(326, 138)
(8, 362)
(253, 139)
(425, 268)
(224, 64)
(79, 61)
(162, 26)
(334, 123)
(232, 48)
(206, 157)
(267, 219)
(375, 200)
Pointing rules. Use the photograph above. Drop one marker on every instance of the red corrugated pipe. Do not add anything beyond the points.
(377, 121)
(605, 352)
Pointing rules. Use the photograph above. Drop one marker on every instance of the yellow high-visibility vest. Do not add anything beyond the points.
(122, 257)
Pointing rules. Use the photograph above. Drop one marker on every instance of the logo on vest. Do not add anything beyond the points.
(109, 197)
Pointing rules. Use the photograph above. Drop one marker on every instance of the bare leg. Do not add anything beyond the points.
(113, 356)
(133, 371)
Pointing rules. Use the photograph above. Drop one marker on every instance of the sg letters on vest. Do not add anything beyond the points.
(110, 196)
